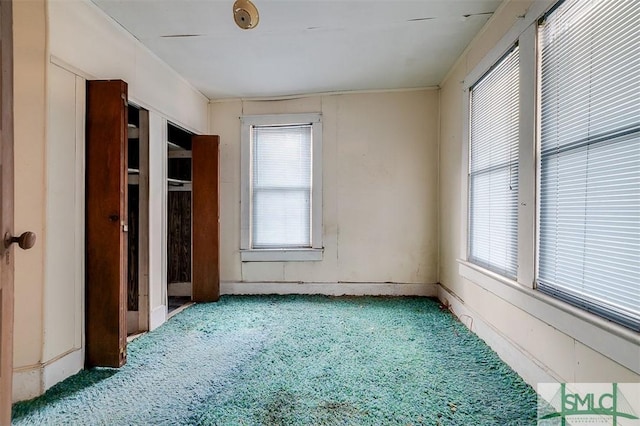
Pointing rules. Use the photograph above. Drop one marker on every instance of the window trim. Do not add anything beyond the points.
(524, 33)
(315, 252)
(526, 232)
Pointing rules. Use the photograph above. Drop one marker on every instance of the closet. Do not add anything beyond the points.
(193, 234)
(179, 224)
(117, 287)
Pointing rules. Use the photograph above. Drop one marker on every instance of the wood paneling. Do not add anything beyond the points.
(106, 221)
(206, 218)
(179, 237)
(133, 252)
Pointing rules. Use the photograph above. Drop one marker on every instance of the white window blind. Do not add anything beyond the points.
(493, 168)
(281, 186)
(589, 233)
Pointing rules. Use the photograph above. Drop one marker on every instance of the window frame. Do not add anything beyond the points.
(589, 303)
(471, 174)
(247, 252)
(525, 38)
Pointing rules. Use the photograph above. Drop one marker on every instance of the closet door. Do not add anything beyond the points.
(205, 276)
(6, 211)
(106, 223)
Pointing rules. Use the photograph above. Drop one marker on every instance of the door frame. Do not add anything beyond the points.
(142, 316)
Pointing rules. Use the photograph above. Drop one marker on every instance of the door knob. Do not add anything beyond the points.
(26, 240)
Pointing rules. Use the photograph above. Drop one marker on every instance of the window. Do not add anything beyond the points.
(282, 187)
(589, 187)
(493, 167)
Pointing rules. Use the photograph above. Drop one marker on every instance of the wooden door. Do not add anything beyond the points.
(205, 275)
(6, 212)
(106, 223)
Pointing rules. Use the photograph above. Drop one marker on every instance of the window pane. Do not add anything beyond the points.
(281, 186)
(494, 221)
(589, 234)
(493, 168)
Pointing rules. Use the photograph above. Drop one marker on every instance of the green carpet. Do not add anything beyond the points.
(297, 360)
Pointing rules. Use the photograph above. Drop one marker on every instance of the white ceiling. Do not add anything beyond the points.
(305, 46)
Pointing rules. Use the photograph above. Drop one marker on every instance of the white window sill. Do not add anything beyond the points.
(281, 255)
(606, 337)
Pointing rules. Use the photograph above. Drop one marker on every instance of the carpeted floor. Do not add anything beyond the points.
(297, 360)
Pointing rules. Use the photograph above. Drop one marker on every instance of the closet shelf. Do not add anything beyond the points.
(132, 131)
(179, 154)
(178, 182)
(132, 171)
(174, 146)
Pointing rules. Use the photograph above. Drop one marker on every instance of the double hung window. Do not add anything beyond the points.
(589, 172)
(493, 167)
(282, 187)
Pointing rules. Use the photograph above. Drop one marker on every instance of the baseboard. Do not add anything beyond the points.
(515, 356)
(32, 381)
(27, 383)
(59, 369)
(329, 289)
(158, 317)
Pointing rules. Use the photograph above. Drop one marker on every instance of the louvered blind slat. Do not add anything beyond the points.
(493, 168)
(589, 233)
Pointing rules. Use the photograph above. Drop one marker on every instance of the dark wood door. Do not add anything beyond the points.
(206, 218)
(6, 211)
(106, 223)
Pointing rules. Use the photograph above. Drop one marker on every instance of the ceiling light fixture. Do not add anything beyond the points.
(245, 14)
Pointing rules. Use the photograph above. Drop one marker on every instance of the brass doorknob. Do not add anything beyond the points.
(26, 240)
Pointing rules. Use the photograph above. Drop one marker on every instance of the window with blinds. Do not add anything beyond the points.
(281, 186)
(493, 167)
(589, 212)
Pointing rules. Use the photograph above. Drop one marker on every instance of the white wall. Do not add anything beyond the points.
(541, 338)
(53, 62)
(64, 239)
(379, 193)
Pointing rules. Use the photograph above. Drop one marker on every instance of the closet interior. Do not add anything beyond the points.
(179, 218)
(138, 217)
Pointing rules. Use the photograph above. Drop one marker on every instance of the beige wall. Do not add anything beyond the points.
(379, 189)
(29, 19)
(58, 46)
(558, 341)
